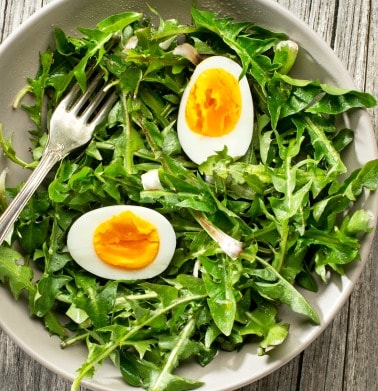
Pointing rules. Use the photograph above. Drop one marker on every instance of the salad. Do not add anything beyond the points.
(249, 230)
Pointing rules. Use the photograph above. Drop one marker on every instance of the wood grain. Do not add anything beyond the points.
(345, 356)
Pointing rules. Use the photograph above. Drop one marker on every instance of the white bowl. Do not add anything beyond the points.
(19, 59)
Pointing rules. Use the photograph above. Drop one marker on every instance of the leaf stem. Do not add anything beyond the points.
(280, 256)
(128, 158)
(111, 346)
(330, 154)
(292, 296)
(174, 354)
(125, 299)
(227, 243)
(71, 341)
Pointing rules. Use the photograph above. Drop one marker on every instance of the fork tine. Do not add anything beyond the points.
(104, 109)
(94, 104)
(68, 98)
(78, 105)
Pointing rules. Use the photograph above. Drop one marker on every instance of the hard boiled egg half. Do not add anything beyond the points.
(216, 110)
(122, 242)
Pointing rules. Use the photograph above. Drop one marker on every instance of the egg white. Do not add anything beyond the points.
(80, 243)
(199, 147)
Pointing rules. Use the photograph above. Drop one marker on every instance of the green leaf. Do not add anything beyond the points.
(131, 369)
(192, 284)
(181, 349)
(53, 325)
(365, 177)
(276, 335)
(358, 223)
(338, 100)
(326, 211)
(33, 235)
(324, 146)
(219, 286)
(116, 23)
(286, 293)
(48, 288)
(167, 294)
(285, 54)
(141, 346)
(18, 276)
(9, 151)
(78, 315)
(97, 352)
(289, 205)
(229, 31)
(336, 248)
(139, 372)
(263, 323)
(96, 301)
(317, 98)
(63, 44)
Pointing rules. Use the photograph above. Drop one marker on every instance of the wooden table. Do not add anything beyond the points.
(345, 356)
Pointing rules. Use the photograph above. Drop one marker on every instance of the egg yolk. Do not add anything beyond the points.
(214, 103)
(126, 241)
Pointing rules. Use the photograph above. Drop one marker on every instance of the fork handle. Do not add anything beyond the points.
(11, 213)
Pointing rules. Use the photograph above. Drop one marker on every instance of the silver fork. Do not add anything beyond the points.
(71, 126)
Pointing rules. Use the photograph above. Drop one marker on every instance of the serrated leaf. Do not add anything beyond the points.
(139, 372)
(96, 301)
(221, 302)
(358, 223)
(263, 323)
(367, 177)
(286, 293)
(53, 325)
(48, 288)
(115, 23)
(18, 276)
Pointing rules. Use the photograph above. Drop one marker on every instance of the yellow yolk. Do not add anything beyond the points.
(126, 241)
(214, 103)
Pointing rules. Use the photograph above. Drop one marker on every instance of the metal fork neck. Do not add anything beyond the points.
(14, 209)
